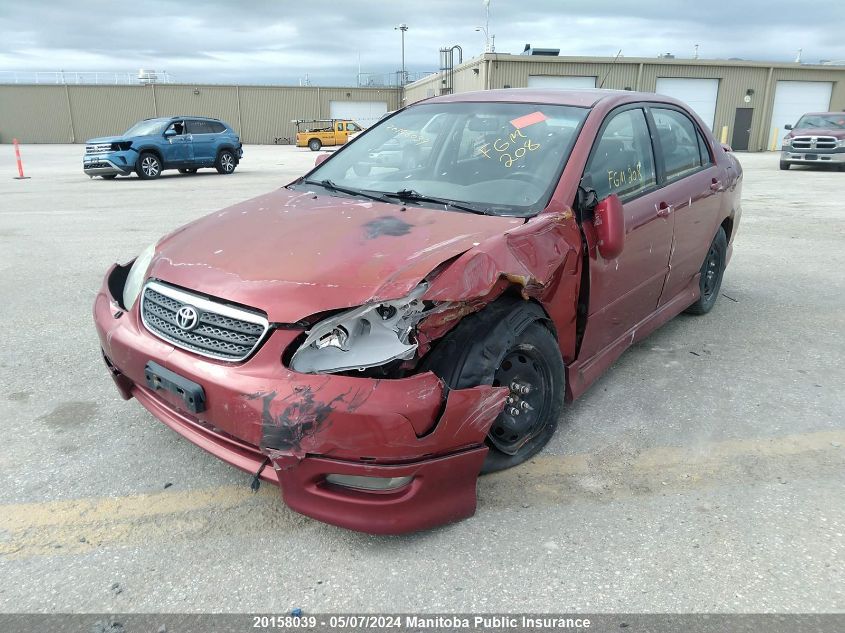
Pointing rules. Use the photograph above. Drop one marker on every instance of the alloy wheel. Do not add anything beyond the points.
(150, 166)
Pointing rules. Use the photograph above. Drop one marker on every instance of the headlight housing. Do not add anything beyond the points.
(136, 276)
(840, 142)
(369, 336)
(787, 142)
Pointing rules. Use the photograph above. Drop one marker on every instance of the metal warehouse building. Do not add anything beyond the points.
(65, 113)
(746, 103)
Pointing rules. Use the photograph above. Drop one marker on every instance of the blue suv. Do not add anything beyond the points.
(186, 143)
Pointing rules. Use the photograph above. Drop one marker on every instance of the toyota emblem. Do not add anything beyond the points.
(187, 318)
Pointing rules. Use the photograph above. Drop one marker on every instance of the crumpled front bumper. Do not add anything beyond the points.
(311, 426)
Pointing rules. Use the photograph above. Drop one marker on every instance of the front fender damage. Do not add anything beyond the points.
(539, 258)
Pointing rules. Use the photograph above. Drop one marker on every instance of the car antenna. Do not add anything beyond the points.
(601, 85)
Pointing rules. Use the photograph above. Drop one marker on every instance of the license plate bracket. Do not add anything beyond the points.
(811, 156)
(161, 378)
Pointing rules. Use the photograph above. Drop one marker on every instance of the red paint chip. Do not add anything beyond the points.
(528, 119)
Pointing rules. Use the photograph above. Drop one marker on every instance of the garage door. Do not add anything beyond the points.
(698, 94)
(566, 83)
(794, 98)
(364, 113)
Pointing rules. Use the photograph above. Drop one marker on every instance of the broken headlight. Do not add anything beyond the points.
(369, 336)
(135, 278)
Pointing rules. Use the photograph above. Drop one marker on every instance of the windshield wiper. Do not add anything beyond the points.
(331, 186)
(416, 196)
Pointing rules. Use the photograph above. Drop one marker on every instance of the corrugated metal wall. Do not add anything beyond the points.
(36, 114)
(261, 114)
(735, 81)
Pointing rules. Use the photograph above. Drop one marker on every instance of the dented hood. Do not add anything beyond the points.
(294, 254)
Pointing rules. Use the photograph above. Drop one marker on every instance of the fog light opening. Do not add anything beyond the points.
(361, 482)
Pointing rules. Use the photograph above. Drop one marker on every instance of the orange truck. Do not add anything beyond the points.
(316, 133)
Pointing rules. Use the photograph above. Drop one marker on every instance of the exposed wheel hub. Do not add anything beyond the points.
(523, 372)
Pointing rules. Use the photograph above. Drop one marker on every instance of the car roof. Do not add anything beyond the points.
(824, 113)
(583, 98)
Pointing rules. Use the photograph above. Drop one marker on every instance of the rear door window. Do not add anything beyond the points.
(199, 127)
(679, 143)
(622, 161)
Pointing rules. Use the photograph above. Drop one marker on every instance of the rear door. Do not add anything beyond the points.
(204, 140)
(692, 189)
(626, 290)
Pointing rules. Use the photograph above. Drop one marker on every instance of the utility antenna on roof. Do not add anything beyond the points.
(618, 55)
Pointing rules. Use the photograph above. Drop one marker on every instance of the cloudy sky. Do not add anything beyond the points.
(280, 41)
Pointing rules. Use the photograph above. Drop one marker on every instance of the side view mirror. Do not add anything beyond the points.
(727, 147)
(170, 132)
(609, 222)
(320, 159)
(788, 126)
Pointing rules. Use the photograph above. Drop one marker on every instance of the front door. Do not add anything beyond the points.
(625, 290)
(178, 150)
(742, 129)
(341, 135)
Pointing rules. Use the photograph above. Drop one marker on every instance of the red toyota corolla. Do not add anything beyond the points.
(419, 307)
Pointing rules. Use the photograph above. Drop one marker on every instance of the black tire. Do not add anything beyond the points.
(226, 162)
(784, 165)
(149, 166)
(315, 144)
(712, 271)
(108, 176)
(508, 341)
(190, 170)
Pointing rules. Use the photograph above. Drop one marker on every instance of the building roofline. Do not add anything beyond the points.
(511, 57)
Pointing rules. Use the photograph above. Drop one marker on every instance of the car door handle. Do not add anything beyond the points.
(715, 185)
(663, 210)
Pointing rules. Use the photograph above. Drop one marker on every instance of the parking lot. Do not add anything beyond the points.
(704, 472)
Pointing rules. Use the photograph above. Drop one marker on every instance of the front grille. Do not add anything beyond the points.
(98, 166)
(98, 148)
(221, 331)
(814, 142)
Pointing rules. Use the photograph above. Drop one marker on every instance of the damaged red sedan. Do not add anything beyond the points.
(419, 307)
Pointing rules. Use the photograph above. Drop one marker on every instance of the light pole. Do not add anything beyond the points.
(403, 27)
(489, 40)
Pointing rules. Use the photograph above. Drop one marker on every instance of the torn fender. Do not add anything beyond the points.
(528, 255)
(542, 257)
